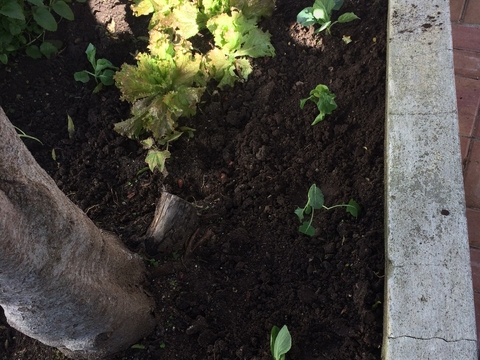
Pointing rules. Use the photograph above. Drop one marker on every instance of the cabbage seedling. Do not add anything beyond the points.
(324, 99)
(280, 342)
(103, 70)
(316, 201)
(321, 13)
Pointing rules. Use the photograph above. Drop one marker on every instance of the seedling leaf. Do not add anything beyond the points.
(307, 228)
(273, 337)
(305, 17)
(156, 159)
(70, 126)
(282, 344)
(321, 14)
(353, 208)
(299, 212)
(315, 197)
(324, 99)
(82, 76)
(91, 52)
(347, 17)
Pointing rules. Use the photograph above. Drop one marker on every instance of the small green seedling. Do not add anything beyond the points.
(103, 70)
(22, 134)
(280, 342)
(70, 126)
(324, 99)
(321, 13)
(316, 201)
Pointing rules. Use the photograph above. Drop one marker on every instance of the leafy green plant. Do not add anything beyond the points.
(321, 13)
(324, 99)
(24, 25)
(168, 81)
(103, 70)
(315, 202)
(280, 342)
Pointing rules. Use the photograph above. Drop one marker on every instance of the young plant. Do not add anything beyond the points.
(168, 82)
(22, 134)
(324, 99)
(321, 13)
(316, 202)
(103, 70)
(280, 342)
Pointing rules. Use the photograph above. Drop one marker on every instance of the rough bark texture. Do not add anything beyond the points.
(63, 281)
(174, 223)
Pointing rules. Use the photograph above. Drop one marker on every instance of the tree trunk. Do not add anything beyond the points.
(63, 281)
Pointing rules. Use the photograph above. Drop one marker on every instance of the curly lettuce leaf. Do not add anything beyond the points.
(182, 20)
(158, 114)
(254, 9)
(226, 68)
(240, 36)
(256, 44)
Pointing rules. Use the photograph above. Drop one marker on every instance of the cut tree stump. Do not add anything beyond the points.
(174, 223)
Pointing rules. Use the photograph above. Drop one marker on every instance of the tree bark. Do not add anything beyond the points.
(63, 281)
(174, 223)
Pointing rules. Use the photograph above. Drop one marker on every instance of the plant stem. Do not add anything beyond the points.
(339, 205)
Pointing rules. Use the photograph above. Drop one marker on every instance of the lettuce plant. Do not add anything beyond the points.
(169, 80)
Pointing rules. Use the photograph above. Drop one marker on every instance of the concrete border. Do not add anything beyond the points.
(429, 311)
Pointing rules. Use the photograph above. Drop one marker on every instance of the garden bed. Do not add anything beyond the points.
(250, 164)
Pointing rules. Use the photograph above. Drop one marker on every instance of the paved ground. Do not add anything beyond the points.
(465, 17)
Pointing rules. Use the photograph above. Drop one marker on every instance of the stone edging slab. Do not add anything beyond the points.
(429, 311)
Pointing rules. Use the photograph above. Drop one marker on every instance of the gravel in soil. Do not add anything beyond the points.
(250, 164)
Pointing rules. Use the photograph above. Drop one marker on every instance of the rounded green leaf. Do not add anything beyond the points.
(307, 229)
(321, 15)
(13, 10)
(347, 17)
(43, 18)
(305, 17)
(47, 49)
(283, 342)
(81, 76)
(107, 77)
(4, 59)
(315, 197)
(62, 9)
(33, 51)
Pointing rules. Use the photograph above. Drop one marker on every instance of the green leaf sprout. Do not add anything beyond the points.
(103, 70)
(280, 342)
(324, 99)
(316, 202)
(321, 13)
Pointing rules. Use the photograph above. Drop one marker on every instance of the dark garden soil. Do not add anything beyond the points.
(250, 164)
